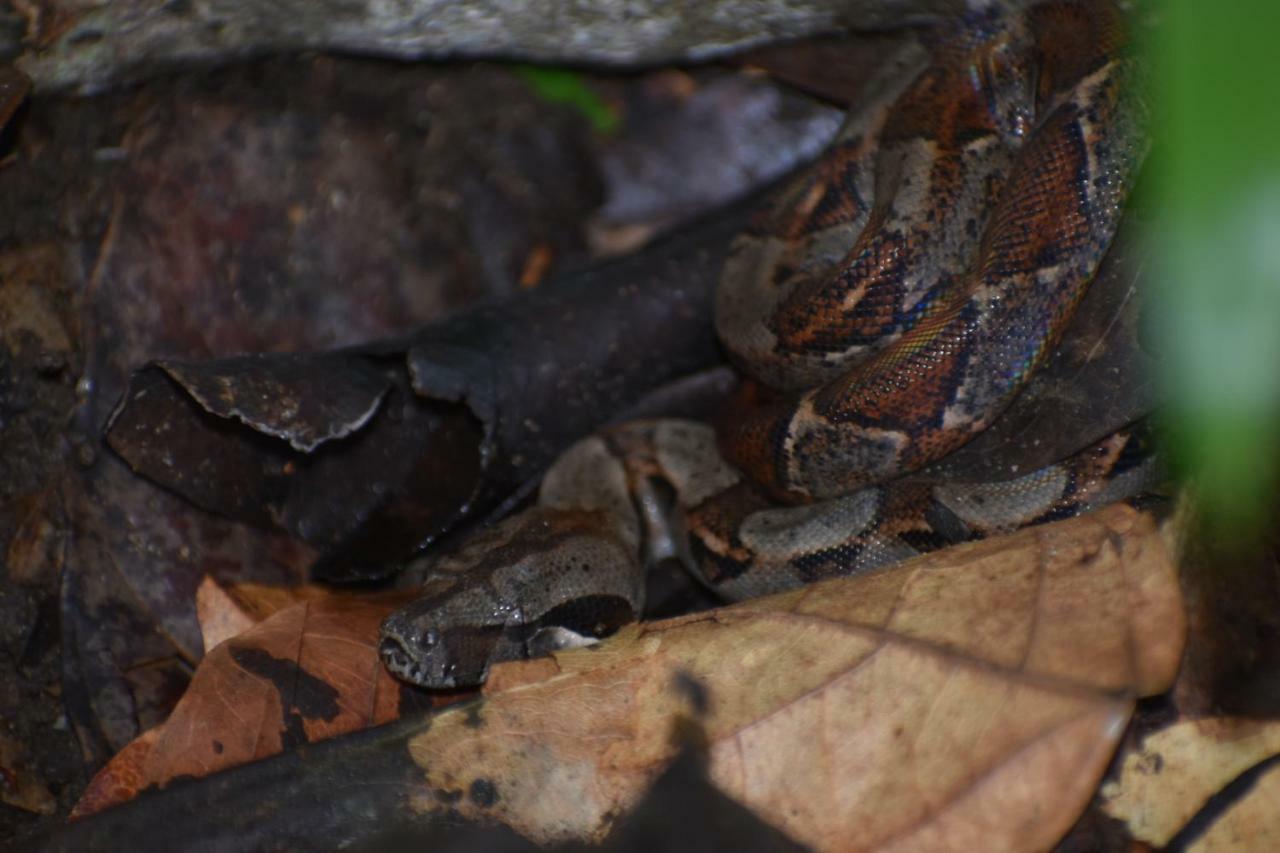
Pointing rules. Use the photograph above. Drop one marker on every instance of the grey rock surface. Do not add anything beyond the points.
(89, 45)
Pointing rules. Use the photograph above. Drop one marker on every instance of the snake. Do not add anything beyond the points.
(884, 310)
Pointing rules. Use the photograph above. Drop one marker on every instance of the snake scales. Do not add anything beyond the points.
(882, 312)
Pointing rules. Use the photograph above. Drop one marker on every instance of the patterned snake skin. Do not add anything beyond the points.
(884, 311)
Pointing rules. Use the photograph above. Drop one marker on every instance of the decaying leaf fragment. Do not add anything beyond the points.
(1163, 784)
(20, 784)
(968, 699)
(1250, 823)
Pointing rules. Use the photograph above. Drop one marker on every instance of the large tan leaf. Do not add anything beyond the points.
(966, 700)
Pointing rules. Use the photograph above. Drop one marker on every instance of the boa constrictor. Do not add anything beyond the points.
(884, 311)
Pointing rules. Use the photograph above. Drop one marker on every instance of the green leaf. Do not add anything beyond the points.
(561, 86)
(1217, 136)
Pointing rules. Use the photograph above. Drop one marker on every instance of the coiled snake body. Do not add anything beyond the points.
(884, 311)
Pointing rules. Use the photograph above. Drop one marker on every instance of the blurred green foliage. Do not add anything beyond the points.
(562, 86)
(1217, 162)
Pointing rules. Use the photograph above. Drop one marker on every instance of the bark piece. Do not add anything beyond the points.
(543, 370)
(314, 456)
(304, 401)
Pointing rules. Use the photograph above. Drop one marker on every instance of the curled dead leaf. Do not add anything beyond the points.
(969, 699)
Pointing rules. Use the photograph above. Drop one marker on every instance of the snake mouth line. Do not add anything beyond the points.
(396, 657)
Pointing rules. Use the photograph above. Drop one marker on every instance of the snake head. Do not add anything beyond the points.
(417, 648)
(542, 581)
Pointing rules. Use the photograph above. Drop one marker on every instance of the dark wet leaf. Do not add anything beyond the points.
(497, 392)
(304, 401)
(337, 453)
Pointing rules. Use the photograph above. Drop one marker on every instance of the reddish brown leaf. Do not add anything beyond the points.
(122, 778)
(225, 611)
(308, 672)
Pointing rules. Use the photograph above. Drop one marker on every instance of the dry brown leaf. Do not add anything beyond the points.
(969, 699)
(121, 779)
(1170, 777)
(219, 615)
(308, 672)
(227, 610)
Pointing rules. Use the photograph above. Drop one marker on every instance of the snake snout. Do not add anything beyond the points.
(408, 653)
(396, 656)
